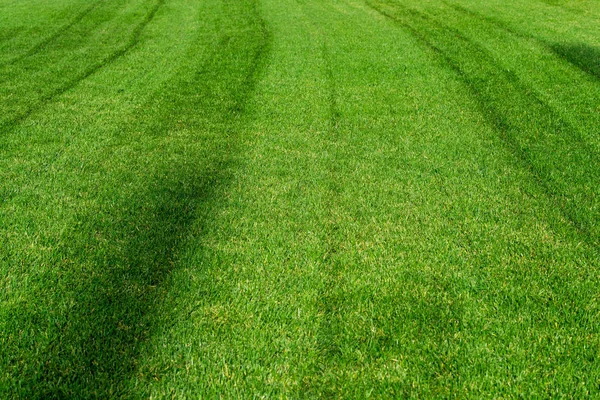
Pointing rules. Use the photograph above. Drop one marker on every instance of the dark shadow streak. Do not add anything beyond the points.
(97, 343)
(583, 56)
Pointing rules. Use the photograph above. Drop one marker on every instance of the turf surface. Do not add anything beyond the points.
(299, 198)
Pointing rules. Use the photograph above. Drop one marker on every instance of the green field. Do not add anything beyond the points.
(299, 198)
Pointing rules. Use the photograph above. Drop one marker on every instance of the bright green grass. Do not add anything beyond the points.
(299, 198)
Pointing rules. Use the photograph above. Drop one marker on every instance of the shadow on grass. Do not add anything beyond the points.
(114, 270)
(112, 303)
(583, 56)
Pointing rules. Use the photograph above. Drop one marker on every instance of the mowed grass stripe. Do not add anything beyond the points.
(24, 23)
(262, 255)
(302, 199)
(452, 297)
(359, 335)
(551, 148)
(26, 92)
(569, 93)
(334, 147)
(112, 262)
(55, 35)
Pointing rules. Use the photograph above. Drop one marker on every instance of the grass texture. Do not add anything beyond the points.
(299, 198)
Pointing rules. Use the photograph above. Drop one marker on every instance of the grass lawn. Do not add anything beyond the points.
(299, 198)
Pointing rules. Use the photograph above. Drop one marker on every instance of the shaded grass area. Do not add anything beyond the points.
(390, 244)
(297, 198)
(585, 57)
(77, 329)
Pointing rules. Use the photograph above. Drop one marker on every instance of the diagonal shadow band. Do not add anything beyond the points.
(583, 56)
(116, 264)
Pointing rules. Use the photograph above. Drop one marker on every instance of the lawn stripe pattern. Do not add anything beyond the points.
(299, 198)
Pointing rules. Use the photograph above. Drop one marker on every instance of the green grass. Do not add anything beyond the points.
(298, 198)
